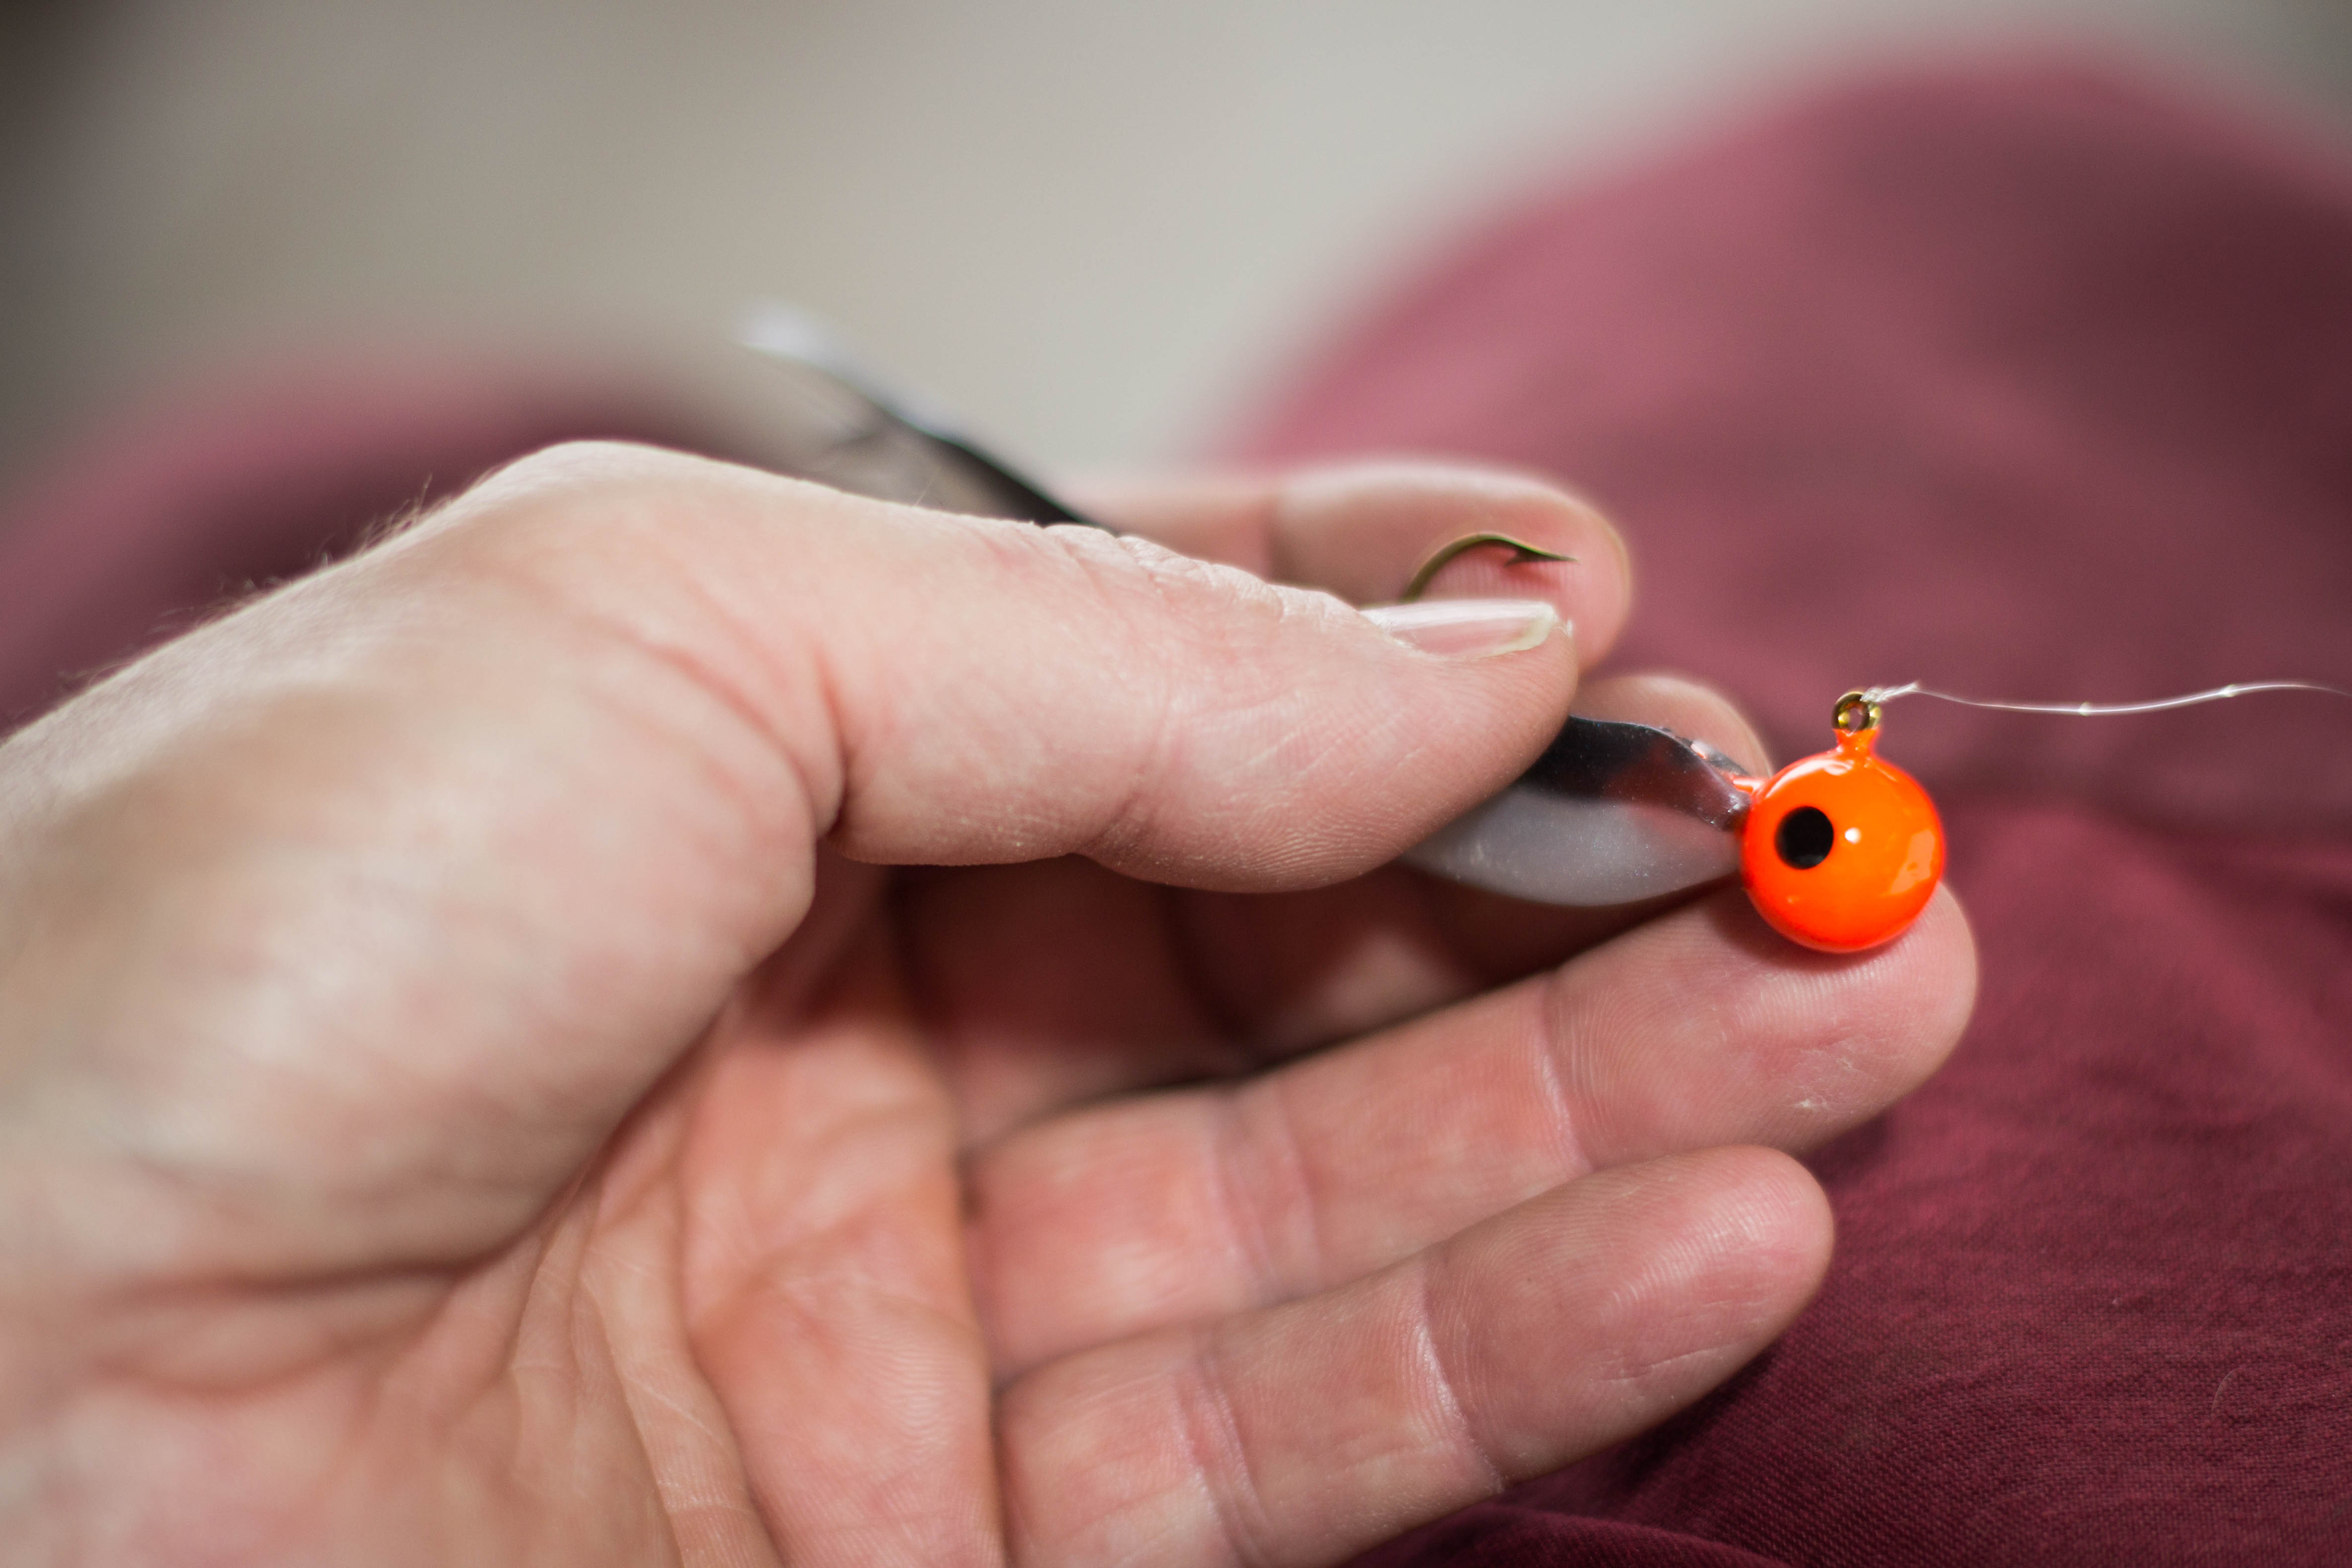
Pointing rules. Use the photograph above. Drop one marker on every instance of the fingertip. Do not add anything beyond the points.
(1722, 1247)
(1691, 708)
(1593, 585)
(1743, 1228)
(1615, 1301)
(1938, 980)
(1775, 1222)
(1749, 1037)
(1766, 1239)
(1365, 528)
(1895, 1010)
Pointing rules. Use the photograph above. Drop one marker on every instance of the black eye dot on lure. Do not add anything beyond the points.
(1805, 837)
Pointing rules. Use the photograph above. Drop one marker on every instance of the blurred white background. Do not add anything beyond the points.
(1090, 227)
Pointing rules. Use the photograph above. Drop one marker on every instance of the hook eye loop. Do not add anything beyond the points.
(1856, 712)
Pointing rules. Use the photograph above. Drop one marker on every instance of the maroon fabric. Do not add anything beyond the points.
(2026, 381)
(152, 521)
(2030, 383)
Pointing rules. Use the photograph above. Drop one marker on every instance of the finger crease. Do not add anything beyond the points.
(821, 802)
(1548, 1041)
(1286, 1152)
(1444, 1395)
(1291, 1253)
(1240, 1208)
(1128, 818)
(1220, 1456)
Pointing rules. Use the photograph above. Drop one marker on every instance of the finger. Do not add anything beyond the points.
(1691, 708)
(1295, 970)
(1700, 1029)
(518, 797)
(1360, 531)
(1147, 986)
(1305, 1433)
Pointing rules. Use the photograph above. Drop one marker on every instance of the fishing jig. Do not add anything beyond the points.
(1840, 851)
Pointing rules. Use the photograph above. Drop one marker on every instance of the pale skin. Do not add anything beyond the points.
(474, 1088)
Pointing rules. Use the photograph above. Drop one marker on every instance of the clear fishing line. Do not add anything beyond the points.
(1882, 694)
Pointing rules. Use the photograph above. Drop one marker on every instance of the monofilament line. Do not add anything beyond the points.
(2107, 709)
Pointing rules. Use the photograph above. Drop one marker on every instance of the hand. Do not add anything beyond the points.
(471, 1092)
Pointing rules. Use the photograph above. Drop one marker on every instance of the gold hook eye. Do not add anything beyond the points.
(1856, 713)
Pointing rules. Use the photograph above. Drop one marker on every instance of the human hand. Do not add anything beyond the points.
(471, 1090)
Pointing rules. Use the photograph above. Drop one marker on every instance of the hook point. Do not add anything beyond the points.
(1522, 554)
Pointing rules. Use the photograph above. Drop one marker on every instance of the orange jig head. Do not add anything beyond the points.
(1841, 850)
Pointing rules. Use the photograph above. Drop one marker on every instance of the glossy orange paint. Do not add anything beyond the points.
(1841, 850)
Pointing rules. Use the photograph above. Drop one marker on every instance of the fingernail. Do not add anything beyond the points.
(1467, 629)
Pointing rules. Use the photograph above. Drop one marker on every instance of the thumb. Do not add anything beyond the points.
(954, 691)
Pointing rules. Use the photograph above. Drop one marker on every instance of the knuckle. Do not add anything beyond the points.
(567, 486)
(1126, 568)
(573, 467)
(1215, 1443)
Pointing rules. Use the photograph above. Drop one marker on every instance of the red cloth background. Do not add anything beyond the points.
(188, 504)
(2030, 382)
